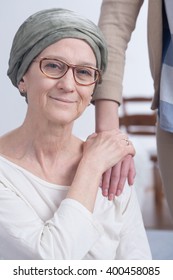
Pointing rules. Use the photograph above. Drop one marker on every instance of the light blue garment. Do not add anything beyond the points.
(166, 85)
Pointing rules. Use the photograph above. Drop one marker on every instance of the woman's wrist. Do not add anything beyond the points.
(106, 115)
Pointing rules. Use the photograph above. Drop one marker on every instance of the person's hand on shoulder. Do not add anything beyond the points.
(114, 179)
(110, 150)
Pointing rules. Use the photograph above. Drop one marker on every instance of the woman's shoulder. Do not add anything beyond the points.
(7, 141)
(4, 143)
(77, 145)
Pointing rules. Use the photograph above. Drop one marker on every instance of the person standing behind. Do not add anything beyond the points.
(117, 22)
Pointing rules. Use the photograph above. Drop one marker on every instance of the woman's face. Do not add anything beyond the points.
(59, 100)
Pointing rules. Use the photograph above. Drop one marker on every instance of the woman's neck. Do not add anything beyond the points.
(50, 153)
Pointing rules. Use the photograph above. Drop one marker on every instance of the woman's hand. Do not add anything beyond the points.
(105, 149)
(113, 180)
(101, 151)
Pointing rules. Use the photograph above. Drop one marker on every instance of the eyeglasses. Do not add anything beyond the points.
(56, 69)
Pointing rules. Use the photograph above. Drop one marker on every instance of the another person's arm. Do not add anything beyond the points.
(113, 180)
(117, 22)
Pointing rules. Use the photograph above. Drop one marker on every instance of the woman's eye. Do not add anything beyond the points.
(51, 65)
(54, 65)
(84, 71)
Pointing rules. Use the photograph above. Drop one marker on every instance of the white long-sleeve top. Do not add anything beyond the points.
(37, 221)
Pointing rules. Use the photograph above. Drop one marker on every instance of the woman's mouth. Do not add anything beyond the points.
(63, 100)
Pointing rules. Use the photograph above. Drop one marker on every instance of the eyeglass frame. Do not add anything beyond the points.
(72, 66)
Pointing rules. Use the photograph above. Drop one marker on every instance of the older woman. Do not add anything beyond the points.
(51, 206)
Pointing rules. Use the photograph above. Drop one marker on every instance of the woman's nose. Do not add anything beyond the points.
(67, 82)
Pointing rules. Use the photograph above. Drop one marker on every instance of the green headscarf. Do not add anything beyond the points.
(47, 27)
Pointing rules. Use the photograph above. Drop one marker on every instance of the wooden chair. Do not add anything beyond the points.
(142, 123)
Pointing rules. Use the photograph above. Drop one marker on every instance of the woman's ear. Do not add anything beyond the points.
(21, 86)
(22, 89)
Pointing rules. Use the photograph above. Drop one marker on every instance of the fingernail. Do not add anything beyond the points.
(111, 196)
(105, 192)
(118, 192)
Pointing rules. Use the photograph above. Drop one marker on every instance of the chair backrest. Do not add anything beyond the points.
(140, 123)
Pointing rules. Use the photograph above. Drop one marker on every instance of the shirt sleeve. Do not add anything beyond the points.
(133, 239)
(70, 234)
(117, 22)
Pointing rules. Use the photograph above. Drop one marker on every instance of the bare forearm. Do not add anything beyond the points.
(113, 179)
(106, 112)
(85, 185)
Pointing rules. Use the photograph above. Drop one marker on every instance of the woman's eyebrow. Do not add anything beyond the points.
(84, 63)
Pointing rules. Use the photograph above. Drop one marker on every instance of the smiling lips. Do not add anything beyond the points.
(63, 100)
